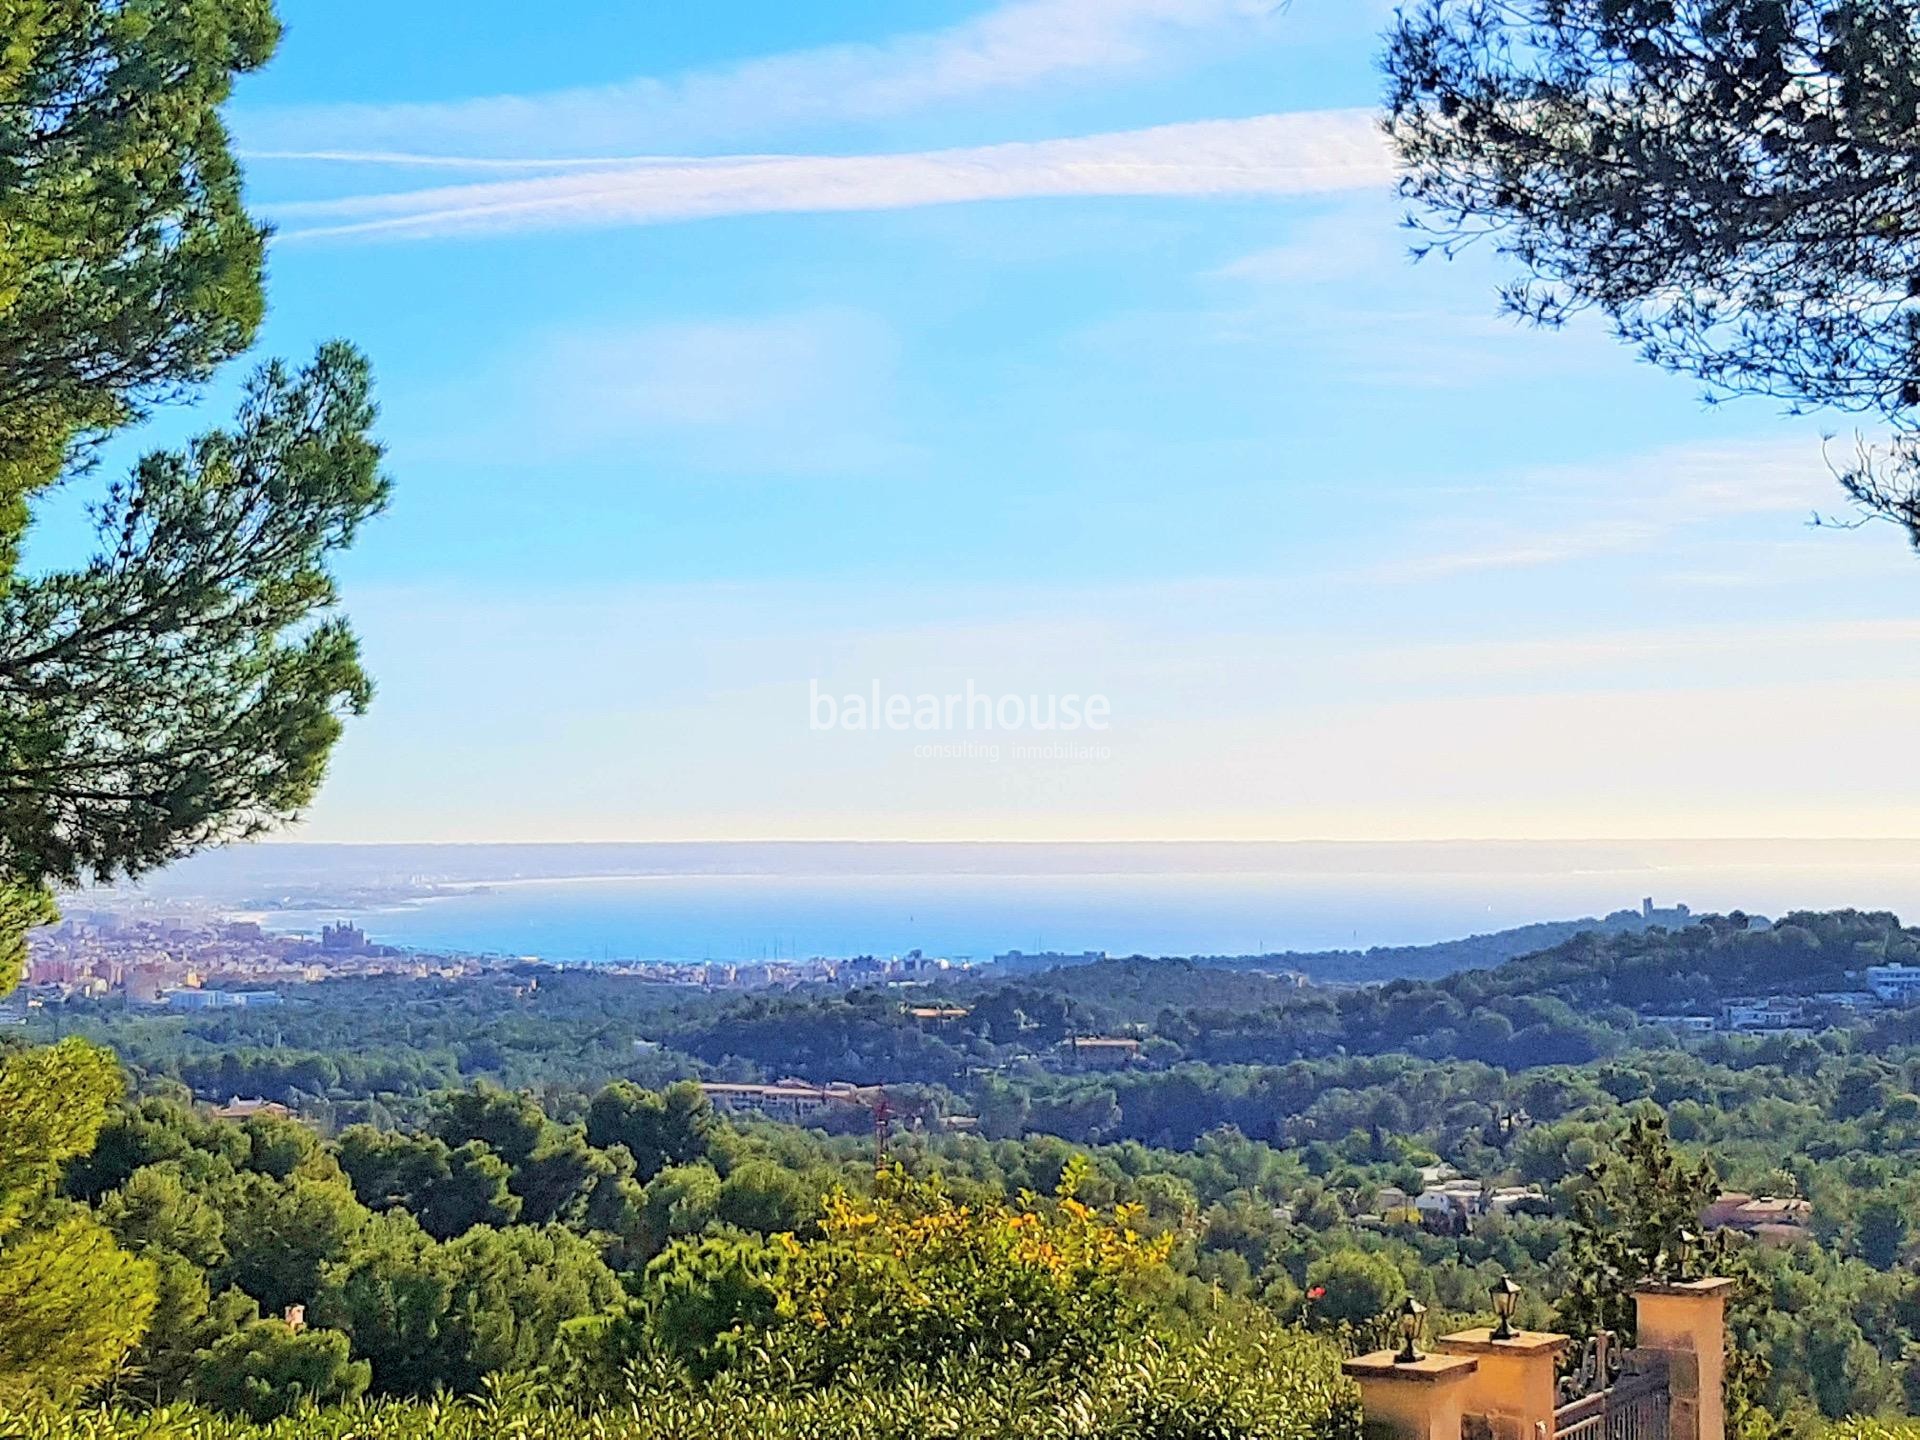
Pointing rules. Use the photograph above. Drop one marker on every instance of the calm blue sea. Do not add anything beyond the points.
(980, 901)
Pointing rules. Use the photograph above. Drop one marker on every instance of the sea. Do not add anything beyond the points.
(755, 901)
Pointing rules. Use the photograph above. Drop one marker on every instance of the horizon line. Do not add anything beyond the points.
(1615, 839)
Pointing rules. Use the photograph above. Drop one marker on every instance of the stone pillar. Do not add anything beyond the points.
(1686, 1320)
(1514, 1388)
(1412, 1399)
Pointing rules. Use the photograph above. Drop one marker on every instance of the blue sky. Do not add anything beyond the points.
(1058, 346)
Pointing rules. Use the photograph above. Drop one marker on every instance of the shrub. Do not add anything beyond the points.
(1281, 1385)
(268, 1370)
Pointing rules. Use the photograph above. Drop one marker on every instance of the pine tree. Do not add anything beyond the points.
(183, 687)
(1728, 182)
(72, 1303)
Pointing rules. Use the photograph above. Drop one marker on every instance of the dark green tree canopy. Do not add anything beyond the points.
(268, 1370)
(659, 1128)
(186, 686)
(128, 264)
(1734, 184)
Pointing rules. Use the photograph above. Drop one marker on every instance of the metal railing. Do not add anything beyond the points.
(1613, 1394)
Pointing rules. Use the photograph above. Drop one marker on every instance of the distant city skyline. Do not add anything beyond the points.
(734, 353)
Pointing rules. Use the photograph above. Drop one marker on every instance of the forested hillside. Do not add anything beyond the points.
(1585, 999)
(439, 1232)
(1444, 957)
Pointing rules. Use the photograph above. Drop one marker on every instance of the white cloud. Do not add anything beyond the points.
(1524, 551)
(1580, 512)
(1355, 240)
(1012, 46)
(661, 711)
(1698, 655)
(796, 393)
(1299, 154)
(711, 373)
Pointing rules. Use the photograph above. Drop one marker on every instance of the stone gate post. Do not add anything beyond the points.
(1421, 1399)
(1687, 1321)
(1514, 1388)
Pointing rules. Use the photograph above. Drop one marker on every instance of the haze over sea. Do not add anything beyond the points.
(749, 901)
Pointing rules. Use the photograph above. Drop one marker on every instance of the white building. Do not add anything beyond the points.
(1847, 999)
(1505, 1199)
(1685, 1024)
(1763, 1014)
(1898, 984)
(1459, 1196)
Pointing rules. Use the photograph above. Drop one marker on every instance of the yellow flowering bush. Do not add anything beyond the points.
(912, 1274)
(907, 1276)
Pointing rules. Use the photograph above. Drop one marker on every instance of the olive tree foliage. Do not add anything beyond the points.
(1733, 184)
(184, 686)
